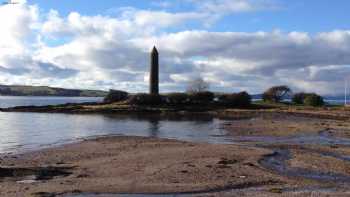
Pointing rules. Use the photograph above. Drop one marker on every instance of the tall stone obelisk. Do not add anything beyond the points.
(154, 72)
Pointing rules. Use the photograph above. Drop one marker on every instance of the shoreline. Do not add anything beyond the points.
(142, 165)
(267, 123)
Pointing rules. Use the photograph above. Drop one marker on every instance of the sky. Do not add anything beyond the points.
(234, 45)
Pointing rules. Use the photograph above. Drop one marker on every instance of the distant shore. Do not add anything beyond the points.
(23, 90)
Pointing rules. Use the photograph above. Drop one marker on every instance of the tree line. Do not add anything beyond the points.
(198, 93)
(277, 94)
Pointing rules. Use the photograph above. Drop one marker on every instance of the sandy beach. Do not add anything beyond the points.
(142, 165)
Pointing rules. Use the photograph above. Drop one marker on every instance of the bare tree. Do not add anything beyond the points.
(276, 93)
(197, 85)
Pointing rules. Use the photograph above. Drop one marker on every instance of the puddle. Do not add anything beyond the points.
(127, 195)
(277, 162)
(242, 187)
(322, 138)
(31, 175)
(251, 191)
(28, 181)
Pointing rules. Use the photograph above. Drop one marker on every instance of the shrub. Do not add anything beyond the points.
(201, 97)
(276, 93)
(300, 97)
(314, 100)
(115, 96)
(241, 99)
(177, 98)
(146, 99)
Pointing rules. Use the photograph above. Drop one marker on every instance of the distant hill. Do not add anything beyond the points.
(334, 97)
(326, 97)
(19, 90)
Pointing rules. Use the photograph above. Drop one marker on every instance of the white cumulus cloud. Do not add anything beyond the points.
(79, 51)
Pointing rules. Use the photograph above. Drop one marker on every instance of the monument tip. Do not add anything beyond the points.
(154, 49)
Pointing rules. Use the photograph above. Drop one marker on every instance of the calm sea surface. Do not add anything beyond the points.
(28, 131)
(12, 101)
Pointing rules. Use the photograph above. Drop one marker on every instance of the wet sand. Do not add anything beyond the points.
(284, 125)
(148, 165)
(142, 165)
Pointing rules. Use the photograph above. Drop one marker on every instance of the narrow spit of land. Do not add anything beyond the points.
(275, 152)
(334, 112)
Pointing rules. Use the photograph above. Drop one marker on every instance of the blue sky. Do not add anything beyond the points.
(297, 15)
(234, 45)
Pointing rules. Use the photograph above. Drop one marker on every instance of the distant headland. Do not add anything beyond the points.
(22, 90)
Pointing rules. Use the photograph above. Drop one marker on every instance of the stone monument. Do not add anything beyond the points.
(154, 72)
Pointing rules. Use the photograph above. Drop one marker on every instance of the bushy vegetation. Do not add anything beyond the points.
(299, 98)
(201, 97)
(146, 99)
(241, 99)
(172, 99)
(276, 94)
(197, 97)
(314, 100)
(177, 98)
(115, 96)
(310, 99)
(205, 97)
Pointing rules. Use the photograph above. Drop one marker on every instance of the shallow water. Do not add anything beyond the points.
(127, 195)
(295, 140)
(27, 131)
(278, 163)
(317, 191)
(190, 194)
